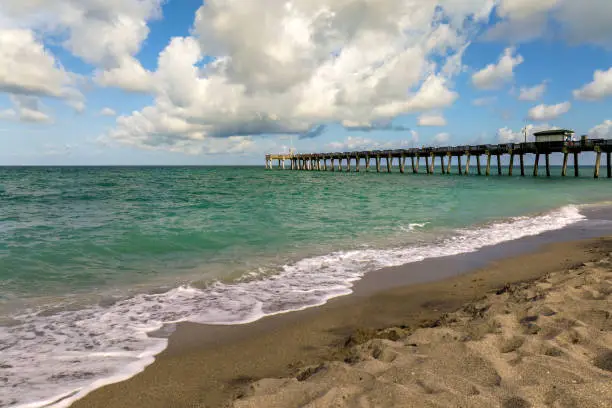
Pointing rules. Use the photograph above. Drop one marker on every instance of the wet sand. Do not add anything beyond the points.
(398, 318)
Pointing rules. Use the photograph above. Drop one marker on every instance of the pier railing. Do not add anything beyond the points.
(319, 161)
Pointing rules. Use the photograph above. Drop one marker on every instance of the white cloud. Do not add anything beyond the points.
(576, 22)
(532, 93)
(602, 131)
(129, 76)
(432, 119)
(599, 88)
(488, 100)
(107, 34)
(548, 112)
(585, 22)
(494, 76)
(27, 68)
(108, 112)
(356, 143)
(524, 8)
(344, 61)
(441, 139)
(507, 135)
(26, 109)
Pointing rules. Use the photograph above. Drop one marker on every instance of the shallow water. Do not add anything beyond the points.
(91, 259)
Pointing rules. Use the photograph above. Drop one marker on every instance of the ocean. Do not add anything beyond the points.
(92, 259)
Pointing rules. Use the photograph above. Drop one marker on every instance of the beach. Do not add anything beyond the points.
(259, 204)
(191, 283)
(529, 330)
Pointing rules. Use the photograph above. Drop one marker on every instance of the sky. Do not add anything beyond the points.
(145, 82)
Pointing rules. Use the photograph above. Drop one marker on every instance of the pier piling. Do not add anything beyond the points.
(467, 164)
(522, 159)
(547, 165)
(597, 163)
(576, 171)
(488, 170)
(511, 166)
(378, 164)
(478, 164)
(564, 168)
(433, 163)
(535, 165)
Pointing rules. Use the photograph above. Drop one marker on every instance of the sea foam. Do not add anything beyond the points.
(53, 359)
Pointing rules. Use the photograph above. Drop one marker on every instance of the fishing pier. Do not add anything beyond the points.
(548, 142)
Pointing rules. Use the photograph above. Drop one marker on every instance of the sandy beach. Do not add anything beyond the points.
(530, 330)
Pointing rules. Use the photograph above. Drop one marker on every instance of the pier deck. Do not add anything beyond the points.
(444, 155)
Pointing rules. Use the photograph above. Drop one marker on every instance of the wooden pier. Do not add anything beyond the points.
(429, 156)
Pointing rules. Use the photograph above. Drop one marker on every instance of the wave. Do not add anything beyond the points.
(413, 226)
(55, 358)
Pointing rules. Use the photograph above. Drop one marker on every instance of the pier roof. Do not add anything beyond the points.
(553, 132)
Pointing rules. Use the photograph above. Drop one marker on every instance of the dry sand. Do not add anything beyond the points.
(546, 343)
(476, 340)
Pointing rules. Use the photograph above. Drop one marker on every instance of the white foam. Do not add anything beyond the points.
(413, 226)
(70, 353)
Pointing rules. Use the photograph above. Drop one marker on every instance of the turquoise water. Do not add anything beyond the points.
(110, 254)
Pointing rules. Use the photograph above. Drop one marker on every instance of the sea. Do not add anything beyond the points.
(95, 259)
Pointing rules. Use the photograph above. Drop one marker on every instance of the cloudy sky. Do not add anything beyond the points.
(225, 81)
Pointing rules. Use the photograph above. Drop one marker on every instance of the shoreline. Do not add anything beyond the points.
(208, 365)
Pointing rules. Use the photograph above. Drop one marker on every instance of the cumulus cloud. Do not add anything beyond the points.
(107, 34)
(441, 139)
(494, 76)
(599, 88)
(312, 62)
(27, 68)
(521, 20)
(585, 22)
(548, 112)
(602, 131)
(108, 112)
(574, 21)
(386, 125)
(507, 135)
(532, 93)
(26, 109)
(129, 76)
(357, 143)
(432, 119)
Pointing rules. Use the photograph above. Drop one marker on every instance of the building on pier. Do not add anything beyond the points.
(554, 136)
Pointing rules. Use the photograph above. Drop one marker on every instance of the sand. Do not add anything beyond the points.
(543, 343)
(532, 330)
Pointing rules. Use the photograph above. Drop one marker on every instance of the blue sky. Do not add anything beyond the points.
(146, 82)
